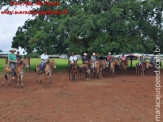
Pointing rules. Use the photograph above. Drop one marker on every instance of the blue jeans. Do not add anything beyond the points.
(42, 65)
(12, 66)
(69, 67)
(93, 66)
(108, 63)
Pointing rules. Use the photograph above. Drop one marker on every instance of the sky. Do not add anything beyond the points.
(9, 25)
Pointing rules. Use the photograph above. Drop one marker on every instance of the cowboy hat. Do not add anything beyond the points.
(94, 54)
(12, 49)
(85, 53)
(109, 53)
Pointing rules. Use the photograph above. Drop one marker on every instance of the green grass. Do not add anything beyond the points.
(61, 64)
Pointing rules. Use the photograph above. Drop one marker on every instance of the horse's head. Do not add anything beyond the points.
(117, 61)
(97, 64)
(126, 61)
(47, 61)
(26, 63)
(53, 64)
(144, 65)
(74, 67)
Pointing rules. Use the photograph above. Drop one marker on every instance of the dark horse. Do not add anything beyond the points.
(73, 71)
(85, 68)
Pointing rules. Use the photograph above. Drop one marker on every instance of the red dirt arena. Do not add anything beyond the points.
(123, 98)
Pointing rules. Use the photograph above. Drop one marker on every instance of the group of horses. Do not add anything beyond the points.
(100, 66)
(19, 69)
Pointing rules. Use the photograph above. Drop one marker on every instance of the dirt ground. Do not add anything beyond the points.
(123, 98)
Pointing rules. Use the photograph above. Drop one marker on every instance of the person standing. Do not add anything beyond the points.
(12, 62)
(44, 58)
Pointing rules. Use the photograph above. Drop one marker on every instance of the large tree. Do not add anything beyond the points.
(119, 26)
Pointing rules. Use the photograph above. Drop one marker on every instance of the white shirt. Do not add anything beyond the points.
(45, 57)
(73, 58)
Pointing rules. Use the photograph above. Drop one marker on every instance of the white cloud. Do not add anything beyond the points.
(9, 25)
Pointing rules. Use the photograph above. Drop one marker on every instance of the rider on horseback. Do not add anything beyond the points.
(123, 58)
(44, 58)
(109, 59)
(12, 62)
(141, 60)
(85, 59)
(152, 61)
(72, 59)
(93, 59)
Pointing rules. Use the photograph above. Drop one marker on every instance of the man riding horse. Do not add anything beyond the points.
(72, 59)
(152, 61)
(44, 59)
(93, 59)
(12, 62)
(109, 59)
(122, 58)
(85, 59)
(141, 59)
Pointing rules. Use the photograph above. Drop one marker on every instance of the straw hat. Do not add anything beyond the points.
(94, 54)
(12, 49)
(85, 53)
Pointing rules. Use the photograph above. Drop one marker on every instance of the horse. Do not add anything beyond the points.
(104, 65)
(18, 71)
(46, 70)
(85, 68)
(123, 65)
(73, 71)
(113, 64)
(141, 67)
(98, 69)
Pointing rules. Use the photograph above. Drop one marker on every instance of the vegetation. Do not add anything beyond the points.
(119, 26)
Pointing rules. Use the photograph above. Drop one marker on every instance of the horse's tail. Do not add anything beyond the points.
(35, 69)
(6, 77)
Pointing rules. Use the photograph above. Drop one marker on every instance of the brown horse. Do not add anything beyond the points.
(98, 69)
(47, 70)
(73, 71)
(141, 68)
(113, 64)
(18, 71)
(123, 65)
(85, 68)
(104, 65)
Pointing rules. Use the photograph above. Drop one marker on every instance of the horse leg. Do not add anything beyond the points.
(17, 80)
(3, 79)
(37, 76)
(50, 77)
(69, 75)
(143, 71)
(21, 79)
(113, 72)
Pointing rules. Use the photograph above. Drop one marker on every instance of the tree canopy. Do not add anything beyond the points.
(118, 26)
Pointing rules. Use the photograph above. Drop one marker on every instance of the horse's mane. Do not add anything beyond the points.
(20, 63)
